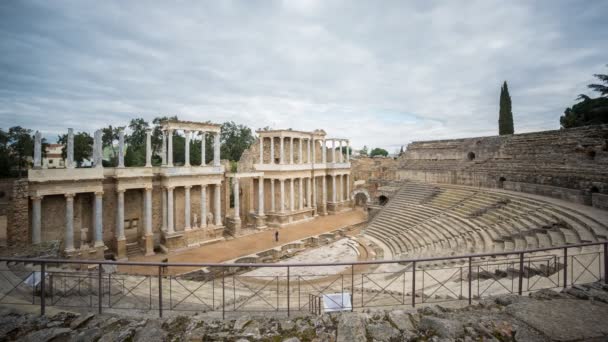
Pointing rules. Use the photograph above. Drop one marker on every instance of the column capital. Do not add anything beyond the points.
(188, 187)
(170, 188)
(203, 186)
(98, 193)
(36, 197)
(148, 188)
(118, 191)
(69, 196)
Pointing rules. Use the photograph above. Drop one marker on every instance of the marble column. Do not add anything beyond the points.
(203, 148)
(314, 192)
(324, 151)
(70, 150)
(98, 220)
(292, 198)
(170, 148)
(333, 150)
(348, 187)
(291, 150)
(334, 189)
(164, 149)
(187, 224)
(271, 150)
(218, 205)
(308, 192)
(164, 209)
(300, 151)
(237, 199)
(120, 215)
(261, 196)
(148, 236)
(282, 151)
(170, 211)
(69, 223)
(37, 150)
(341, 155)
(121, 148)
(261, 149)
(272, 195)
(347, 151)
(308, 143)
(282, 195)
(341, 188)
(216, 149)
(36, 219)
(324, 194)
(98, 148)
(203, 206)
(187, 148)
(301, 193)
(148, 148)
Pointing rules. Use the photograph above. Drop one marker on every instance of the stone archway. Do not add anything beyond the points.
(360, 198)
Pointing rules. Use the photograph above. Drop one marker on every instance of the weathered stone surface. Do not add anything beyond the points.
(78, 322)
(401, 320)
(291, 339)
(563, 319)
(47, 334)
(152, 332)
(241, 322)
(382, 331)
(351, 328)
(442, 327)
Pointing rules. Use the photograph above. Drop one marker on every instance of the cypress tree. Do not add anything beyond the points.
(505, 116)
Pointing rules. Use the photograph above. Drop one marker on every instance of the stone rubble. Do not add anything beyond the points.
(574, 314)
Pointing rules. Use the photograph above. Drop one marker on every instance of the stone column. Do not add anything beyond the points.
(308, 192)
(98, 148)
(347, 187)
(290, 150)
(187, 224)
(164, 149)
(36, 219)
(341, 155)
(216, 149)
(218, 205)
(237, 199)
(314, 192)
(69, 223)
(261, 149)
(333, 187)
(271, 150)
(324, 151)
(187, 148)
(120, 215)
(272, 194)
(333, 150)
(203, 206)
(261, 196)
(292, 198)
(170, 211)
(37, 150)
(282, 196)
(170, 148)
(98, 220)
(300, 149)
(341, 188)
(70, 151)
(314, 152)
(308, 143)
(164, 209)
(347, 151)
(203, 148)
(301, 194)
(148, 237)
(324, 195)
(121, 148)
(148, 148)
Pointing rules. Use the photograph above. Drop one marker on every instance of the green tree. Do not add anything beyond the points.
(588, 111)
(109, 135)
(136, 151)
(83, 146)
(5, 158)
(364, 151)
(505, 115)
(378, 152)
(21, 147)
(234, 140)
(157, 138)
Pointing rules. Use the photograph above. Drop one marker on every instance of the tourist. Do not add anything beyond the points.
(276, 236)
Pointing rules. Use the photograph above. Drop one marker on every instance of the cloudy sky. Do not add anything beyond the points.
(382, 73)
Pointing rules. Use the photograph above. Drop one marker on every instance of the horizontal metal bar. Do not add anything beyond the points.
(374, 262)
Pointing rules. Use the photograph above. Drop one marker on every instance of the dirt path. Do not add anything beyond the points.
(227, 250)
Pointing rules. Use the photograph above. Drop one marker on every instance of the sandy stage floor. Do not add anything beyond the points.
(228, 250)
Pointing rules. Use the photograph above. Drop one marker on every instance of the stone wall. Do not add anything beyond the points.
(371, 174)
(17, 229)
(568, 164)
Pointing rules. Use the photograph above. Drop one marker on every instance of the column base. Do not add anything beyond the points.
(334, 207)
(121, 249)
(173, 241)
(233, 226)
(323, 210)
(148, 242)
(260, 221)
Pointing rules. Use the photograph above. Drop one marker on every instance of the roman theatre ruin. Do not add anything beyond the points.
(448, 220)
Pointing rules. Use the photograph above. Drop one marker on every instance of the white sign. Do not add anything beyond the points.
(34, 279)
(337, 302)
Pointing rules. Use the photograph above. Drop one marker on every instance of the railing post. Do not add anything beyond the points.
(352, 288)
(605, 262)
(565, 266)
(99, 289)
(414, 284)
(42, 289)
(160, 291)
(521, 273)
(470, 280)
(223, 294)
(288, 293)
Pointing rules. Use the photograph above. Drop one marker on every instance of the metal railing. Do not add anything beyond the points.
(231, 288)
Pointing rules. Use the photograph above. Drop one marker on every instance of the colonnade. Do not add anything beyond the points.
(168, 207)
(167, 147)
(310, 146)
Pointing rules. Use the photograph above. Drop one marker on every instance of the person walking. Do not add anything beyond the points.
(276, 236)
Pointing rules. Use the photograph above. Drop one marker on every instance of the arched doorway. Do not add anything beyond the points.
(382, 200)
(501, 182)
